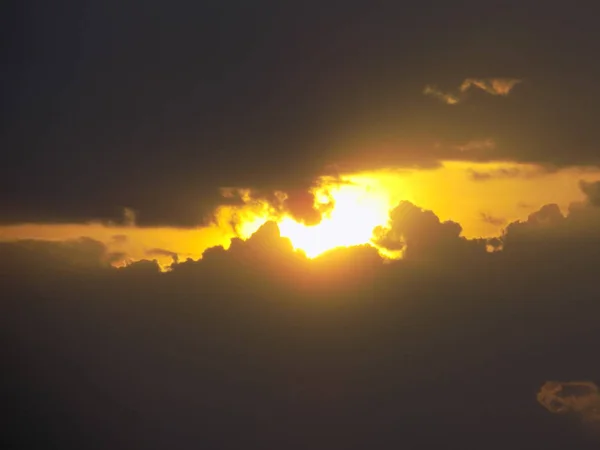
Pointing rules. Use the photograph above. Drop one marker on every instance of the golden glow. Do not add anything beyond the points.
(132, 242)
(361, 202)
(513, 191)
(358, 209)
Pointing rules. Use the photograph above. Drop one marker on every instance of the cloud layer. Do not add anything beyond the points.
(257, 344)
(195, 101)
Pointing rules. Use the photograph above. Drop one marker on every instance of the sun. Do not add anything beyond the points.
(358, 209)
(360, 205)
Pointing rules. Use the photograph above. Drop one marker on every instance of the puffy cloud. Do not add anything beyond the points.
(30, 256)
(300, 204)
(578, 397)
(257, 337)
(549, 231)
(423, 236)
(264, 254)
(592, 192)
(419, 234)
(543, 231)
(143, 267)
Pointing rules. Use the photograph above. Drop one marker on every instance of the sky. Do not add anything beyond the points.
(290, 224)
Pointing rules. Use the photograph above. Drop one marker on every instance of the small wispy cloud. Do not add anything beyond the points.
(504, 172)
(575, 397)
(492, 220)
(129, 217)
(507, 172)
(485, 144)
(493, 86)
(433, 91)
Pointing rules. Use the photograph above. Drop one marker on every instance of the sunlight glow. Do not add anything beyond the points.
(362, 201)
(360, 206)
(458, 190)
(358, 209)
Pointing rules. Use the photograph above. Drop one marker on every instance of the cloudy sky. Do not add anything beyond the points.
(349, 222)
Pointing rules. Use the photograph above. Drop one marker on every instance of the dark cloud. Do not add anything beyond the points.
(548, 231)
(157, 108)
(257, 345)
(425, 236)
(592, 192)
(549, 234)
(300, 205)
(115, 257)
(143, 267)
(37, 256)
(494, 244)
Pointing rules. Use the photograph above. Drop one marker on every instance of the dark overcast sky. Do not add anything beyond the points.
(155, 105)
(256, 347)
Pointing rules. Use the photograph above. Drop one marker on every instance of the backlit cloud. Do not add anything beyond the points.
(592, 191)
(236, 325)
(423, 236)
(288, 226)
(493, 86)
(446, 97)
(162, 252)
(573, 397)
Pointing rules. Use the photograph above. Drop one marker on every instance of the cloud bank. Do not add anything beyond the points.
(259, 340)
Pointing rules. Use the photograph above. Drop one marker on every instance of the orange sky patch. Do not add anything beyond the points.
(483, 198)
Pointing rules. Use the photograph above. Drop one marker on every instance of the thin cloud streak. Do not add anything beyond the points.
(493, 86)
(433, 91)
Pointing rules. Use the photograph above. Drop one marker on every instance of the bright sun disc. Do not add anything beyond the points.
(358, 210)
